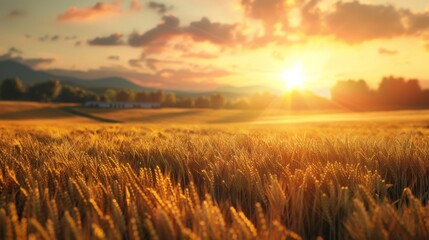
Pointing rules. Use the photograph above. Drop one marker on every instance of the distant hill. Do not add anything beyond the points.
(30, 76)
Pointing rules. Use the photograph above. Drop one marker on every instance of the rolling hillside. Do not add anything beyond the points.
(30, 76)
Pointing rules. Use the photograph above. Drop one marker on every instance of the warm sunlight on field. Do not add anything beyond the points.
(214, 120)
(137, 182)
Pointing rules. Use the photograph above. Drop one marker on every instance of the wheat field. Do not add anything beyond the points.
(350, 181)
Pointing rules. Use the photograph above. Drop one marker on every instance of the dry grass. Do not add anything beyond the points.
(136, 182)
(58, 114)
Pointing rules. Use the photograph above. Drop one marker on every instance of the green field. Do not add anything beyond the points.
(74, 173)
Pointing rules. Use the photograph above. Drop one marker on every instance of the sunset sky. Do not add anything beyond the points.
(205, 44)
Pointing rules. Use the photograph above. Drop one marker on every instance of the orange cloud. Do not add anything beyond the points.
(99, 10)
(352, 22)
(160, 8)
(418, 22)
(199, 31)
(111, 40)
(202, 55)
(217, 33)
(355, 22)
(136, 5)
(151, 63)
(269, 11)
(168, 28)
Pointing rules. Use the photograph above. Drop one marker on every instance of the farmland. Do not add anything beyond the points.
(60, 114)
(180, 176)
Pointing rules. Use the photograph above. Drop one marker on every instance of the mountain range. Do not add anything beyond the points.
(31, 76)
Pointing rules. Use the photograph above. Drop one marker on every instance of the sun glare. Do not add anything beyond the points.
(294, 78)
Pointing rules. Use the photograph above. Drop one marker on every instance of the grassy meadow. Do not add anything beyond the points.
(361, 179)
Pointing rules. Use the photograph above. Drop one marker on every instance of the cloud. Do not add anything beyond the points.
(55, 38)
(418, 22)
(384, 51)
(202, 55)
(281, 20)
(217, 33)
(160, 8)
(114, 58)
(111, 40)
(98, 11)
(16, 13)
(311, 17)
(136, 5)
(151, 63)
(14, 50)
(187, 50)
(15, 54)
(270, 12)
(154, 64)
(48, 37)
(44, 38)
(190, 74)
(136, 63)
(352, 22)
(37, 62)
(355, 22)
(167, 29)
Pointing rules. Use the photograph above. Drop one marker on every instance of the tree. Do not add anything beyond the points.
(169, 100)
(157, 96)
(239, 104)
(76, 95)
(12, 89)
(141, 96)
(124, 96)
(44, 91)
(396, 92)
(217, 101)
(110, 95)
(353, 94)
(202, 102)
(185, 103)
(425, 98)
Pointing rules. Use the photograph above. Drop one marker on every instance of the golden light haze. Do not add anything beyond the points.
(202, 45)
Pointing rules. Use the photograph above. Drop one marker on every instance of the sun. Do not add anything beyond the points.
(294, 78)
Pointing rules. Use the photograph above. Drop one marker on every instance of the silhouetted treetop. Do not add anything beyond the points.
(392, 93)
(44, 91)
(12, 89)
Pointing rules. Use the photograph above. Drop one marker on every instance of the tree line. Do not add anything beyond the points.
(13, 89)
(392, 93)
(54, 91)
